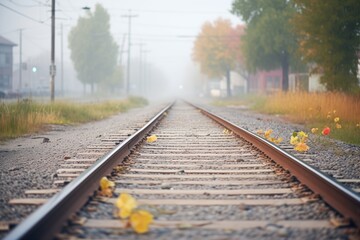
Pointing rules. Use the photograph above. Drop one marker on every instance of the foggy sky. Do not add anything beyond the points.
(167, 28)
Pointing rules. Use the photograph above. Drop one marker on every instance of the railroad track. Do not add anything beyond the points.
(199, 181)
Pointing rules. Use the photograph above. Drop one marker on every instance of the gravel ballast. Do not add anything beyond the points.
(30, 162)
(66, 141)
(342, 159)
(179, 128)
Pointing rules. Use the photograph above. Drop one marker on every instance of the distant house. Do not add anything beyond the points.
(237, 86)
(305, 82)
(265, 81)
(6, 64)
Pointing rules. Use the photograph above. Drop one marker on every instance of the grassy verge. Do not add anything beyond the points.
(314, 110)
(25, 117)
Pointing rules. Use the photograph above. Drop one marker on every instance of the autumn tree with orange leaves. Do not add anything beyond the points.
(218, 49)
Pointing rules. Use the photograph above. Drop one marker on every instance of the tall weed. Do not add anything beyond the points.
(26, 116)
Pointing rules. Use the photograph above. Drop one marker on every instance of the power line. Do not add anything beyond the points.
(22, 5)
(170, 11)
(129, 16)
(41, 3)
(63, 12)
(26, 16)
(164, 26)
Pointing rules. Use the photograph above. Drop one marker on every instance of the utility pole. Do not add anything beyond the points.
(62, 60)
(140, 64)
(122, 49)
(145, 82)
(52, 66)
(129, 47)
(141, 67)
(20, 60)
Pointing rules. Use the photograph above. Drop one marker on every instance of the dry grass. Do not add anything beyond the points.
(25, 117)
(313, 110)
(306, 107)
(318, 110)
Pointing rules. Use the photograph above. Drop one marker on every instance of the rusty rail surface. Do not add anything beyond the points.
(48, 219)
(341, 198)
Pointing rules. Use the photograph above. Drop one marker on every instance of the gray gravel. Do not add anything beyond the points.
(18, 155)
(342, 159)
(316, 210)
(30, 162)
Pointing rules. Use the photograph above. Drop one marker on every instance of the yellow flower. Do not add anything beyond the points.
(151, 139)
(278, 140)
(259, 132)
(302, 135)
(314, 130)
(338, 126)
(294, 140)
(358, 125)
(328, 116)
(227, 132)
(106, 183)
(337, 119)
(301, 147)
(126, 203)
(140, 221)
(106, 187)
(268, 133)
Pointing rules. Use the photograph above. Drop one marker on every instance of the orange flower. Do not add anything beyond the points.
(278, 140)
(326, 131)
(259, 132)
(301, 147)
(314, 130)
(267, 133)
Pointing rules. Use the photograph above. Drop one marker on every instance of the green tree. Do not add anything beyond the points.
(114, 81)
(329, 34)
(269, 41)
(93, 49)
(217, 49)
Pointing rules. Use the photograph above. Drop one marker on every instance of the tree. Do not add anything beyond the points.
(269, 42)
(114, 81)
(217, 49)
(93, 50)
(329, 34)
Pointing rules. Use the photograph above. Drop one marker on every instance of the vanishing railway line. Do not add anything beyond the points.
(199, 181)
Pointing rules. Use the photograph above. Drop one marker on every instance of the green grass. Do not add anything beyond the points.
(24, 117)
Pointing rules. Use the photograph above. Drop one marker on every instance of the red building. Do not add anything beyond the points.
(266, 81)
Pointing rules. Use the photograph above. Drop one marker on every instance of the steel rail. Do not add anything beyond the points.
(341, 198)
(48, 219)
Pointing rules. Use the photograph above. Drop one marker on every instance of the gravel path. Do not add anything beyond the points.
(30, 162)
(338, 159)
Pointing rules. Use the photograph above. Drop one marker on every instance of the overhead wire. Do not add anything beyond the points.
(22, 5)
(172, 11)
(22, 14)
